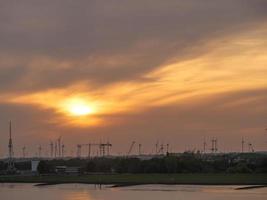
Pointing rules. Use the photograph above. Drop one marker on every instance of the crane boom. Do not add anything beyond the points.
(131, 148)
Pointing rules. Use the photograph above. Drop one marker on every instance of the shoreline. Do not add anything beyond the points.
(120, 180)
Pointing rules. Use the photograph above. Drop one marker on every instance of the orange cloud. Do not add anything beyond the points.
(231, 63)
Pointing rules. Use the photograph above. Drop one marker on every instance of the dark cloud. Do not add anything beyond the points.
(84, 27)
(145, 34)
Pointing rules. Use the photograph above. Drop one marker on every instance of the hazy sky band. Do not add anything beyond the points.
(155, 70)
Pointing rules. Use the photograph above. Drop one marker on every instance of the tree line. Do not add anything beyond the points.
(184, 163)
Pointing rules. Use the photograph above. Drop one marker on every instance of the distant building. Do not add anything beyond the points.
(67, 170)
(34, 165)
(60, 169)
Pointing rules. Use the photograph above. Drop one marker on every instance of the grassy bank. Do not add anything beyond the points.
(128, 179)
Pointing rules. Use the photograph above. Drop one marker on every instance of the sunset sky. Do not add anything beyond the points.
(144, 70)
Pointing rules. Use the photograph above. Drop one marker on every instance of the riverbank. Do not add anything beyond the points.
(136, 179)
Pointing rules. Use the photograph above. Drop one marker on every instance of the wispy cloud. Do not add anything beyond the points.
(130, 59)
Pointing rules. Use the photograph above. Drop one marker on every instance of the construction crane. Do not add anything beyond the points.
(89, 148)
(161, 149)
(139, 149)
(108, 148)
(40, 151)
(157, 145)
(79, 150)
(51, 149)
(55, 150)
(204, 145)
(103, 148)
(131, 148)
(242, 145)
(62, 150)
(214, 145)
(59, 146)
(250, 147)
(24, 152)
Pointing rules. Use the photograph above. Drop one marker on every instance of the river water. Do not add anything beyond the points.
(12, 191)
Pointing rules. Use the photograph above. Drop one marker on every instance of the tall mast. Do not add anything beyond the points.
(242, 143)
(10, 144)
(11, 165)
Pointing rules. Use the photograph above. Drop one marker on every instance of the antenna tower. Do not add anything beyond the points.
(11, 164)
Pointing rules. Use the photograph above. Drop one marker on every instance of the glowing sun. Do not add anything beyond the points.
(79, 107)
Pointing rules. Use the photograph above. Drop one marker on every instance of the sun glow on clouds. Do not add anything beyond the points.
(73, 109)
(233, 66)
(78, 107)
(79, 111)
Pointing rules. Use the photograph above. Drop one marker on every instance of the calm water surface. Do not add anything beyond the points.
(145, 192)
